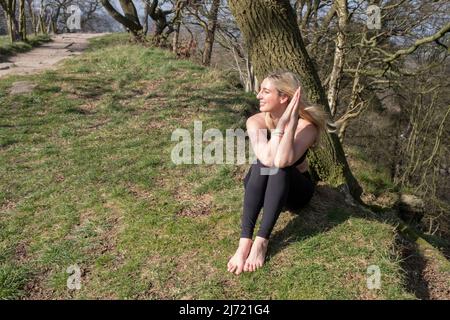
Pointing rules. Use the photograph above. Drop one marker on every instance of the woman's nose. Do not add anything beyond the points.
(258, 96)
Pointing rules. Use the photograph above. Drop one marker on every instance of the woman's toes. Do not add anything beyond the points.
(238, 270)
(231, 267)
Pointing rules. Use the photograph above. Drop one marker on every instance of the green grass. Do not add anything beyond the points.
(374, 179)
(7, 48)
(87, 179)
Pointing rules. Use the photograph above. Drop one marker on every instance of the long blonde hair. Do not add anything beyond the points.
(287, 82)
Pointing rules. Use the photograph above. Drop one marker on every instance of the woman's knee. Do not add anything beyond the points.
(280, 174)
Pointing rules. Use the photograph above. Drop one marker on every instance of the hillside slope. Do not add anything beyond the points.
(87, 180)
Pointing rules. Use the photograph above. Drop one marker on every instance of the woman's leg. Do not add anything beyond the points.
(255, 188)
(275, 197)
(301, 190)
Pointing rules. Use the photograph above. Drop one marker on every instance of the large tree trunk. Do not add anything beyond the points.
(129, 11)
(274, 42)
(210, 32)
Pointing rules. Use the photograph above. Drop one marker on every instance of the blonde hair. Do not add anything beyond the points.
(287, 83)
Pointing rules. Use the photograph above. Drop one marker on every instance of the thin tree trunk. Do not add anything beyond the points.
(33, 17)
(176, 37)
(22, 21)
(9, 7)
(177, 23)
(274, 42)
(146, 19)
(336, 73)
(211, 29)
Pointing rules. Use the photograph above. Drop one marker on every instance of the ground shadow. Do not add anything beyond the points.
(326, 210)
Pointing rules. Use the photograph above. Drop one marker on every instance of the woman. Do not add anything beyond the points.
(280, 176)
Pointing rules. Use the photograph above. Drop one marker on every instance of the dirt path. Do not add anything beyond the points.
(47, 56)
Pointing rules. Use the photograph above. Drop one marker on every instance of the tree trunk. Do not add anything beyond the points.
(274, 42)
(176, 36)
(177, 23)
(42, 28)
(22, 21)
(145, 30)
(211, 29)
(130, 21)
(33, 17)
(9, 6)
(336, 73)
(129, 11)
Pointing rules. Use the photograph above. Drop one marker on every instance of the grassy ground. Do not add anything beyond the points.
(7, 48)
(87, 179)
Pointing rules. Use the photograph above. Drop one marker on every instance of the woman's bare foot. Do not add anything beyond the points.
(257, 255)
(236, 263)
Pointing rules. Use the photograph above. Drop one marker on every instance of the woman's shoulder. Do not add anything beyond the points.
(303, 123)
(257, 120)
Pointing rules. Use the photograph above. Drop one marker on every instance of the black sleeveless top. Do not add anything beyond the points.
(302, 158)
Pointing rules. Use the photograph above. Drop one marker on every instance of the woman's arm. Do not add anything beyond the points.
(293, 145)
(264, 150)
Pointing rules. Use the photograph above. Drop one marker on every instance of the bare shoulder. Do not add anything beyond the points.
(307, 129)
(305, 124)
(257, 121)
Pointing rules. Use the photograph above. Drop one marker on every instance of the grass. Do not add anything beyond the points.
(8, 49)
(374, 178)
(87, 179)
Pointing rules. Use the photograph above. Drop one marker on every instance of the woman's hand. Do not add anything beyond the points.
(289, 119)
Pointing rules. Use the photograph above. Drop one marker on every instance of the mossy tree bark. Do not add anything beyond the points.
(274, 42)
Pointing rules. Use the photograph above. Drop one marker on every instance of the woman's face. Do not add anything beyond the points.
(269, 98)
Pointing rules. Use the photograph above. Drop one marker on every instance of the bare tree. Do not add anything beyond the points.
(129, 20)
(9, 7)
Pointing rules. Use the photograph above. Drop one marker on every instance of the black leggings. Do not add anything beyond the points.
(285, 187)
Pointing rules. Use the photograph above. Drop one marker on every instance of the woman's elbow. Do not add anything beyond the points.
(280, 163)
(266, 162)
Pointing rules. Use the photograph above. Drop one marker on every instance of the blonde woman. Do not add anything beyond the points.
(280, 176)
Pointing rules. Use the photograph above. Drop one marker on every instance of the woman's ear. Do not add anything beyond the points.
(284, 98)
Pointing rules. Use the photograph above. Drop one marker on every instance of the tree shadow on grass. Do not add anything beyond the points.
(326, 210)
